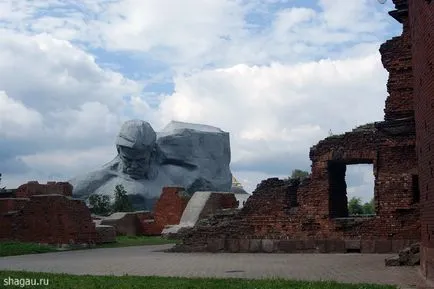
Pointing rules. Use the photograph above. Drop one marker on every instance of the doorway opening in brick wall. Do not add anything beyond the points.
(351, 189)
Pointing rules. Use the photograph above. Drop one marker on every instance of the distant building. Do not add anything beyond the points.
(237, 188)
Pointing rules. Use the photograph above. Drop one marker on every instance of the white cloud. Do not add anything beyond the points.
(48, 74)
(261, 78)
(281, 108)
(360, 181)
(192, 34)
(55, 97)
(17, 120)
(70, 161)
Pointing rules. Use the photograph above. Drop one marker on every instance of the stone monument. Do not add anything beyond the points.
(192, 156)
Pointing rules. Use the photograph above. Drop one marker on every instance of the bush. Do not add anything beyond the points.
(299, 175)
(122, 202)
(100, 205)
(355, 207)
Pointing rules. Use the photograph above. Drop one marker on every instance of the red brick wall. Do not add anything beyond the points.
(34, 188)
(8, 210)
(228, 201)
(44, 213)
(167, 211)
(148, 225)
(12, 204)
(422, 33)
(53, 219)
(271, 212)
(396, 58)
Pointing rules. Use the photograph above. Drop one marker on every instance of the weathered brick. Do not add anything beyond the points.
(352, 244)
(367, 246)
(421, 22)
(321, 246)
(34, 188)
(267, 245)
(233, 245)
(383, 246)
(216, 245)
(317, 209)
(167, 211)
(53, 219)
(255, 245)
(287, 246)
(244, 245)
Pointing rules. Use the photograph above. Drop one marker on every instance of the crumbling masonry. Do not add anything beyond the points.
(313, 216)
(421, 15)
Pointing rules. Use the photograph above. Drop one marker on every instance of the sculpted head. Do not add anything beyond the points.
(136, 146)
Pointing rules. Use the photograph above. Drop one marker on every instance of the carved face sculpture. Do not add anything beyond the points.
(136, 144)
(135, 163)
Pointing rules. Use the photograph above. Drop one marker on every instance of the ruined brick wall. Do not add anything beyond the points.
(54, 219)
(318, 220)
(125, 223)
(167, 211)
(218, 201)
(148, 225)
(34, 188)
(268, 220)
(8, 210)
(226, 201)
(396, 58)
(12, 204)
(422, 33)
(320, 211)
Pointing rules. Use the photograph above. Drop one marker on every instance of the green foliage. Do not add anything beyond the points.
(67, 281)
(369, 208)
(13, 248)
(122, 202)
(127, 241)
(299, 174)
(100, 205)
(355, 207)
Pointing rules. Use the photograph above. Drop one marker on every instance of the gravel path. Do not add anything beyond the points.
(150, 260)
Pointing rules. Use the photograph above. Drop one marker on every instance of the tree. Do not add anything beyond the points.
(369, 207)
(100, 205)
(122, 202)
(299, 174)
(355, 207)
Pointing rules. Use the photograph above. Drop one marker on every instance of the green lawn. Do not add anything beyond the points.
(12, 248)
(127, 282)
(18, 248)
(126, 241)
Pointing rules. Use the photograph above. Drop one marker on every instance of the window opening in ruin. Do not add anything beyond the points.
(351, 189)
(415, 188)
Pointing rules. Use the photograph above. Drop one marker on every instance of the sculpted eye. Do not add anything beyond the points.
(126, 160)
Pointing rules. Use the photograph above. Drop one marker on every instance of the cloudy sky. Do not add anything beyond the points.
(277, 74)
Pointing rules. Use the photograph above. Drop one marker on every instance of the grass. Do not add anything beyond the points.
(17, 248)
(65, 281)
(13, 248)
(126, 241)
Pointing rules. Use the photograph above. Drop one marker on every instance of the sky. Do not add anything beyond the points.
(278, 75)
